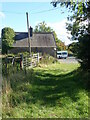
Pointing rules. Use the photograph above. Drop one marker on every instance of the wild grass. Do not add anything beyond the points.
(51, 91)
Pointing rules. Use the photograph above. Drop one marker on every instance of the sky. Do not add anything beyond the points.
(13, 14)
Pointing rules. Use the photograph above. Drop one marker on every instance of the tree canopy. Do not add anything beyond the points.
(79, 28)
(42, 27)
(7, 39)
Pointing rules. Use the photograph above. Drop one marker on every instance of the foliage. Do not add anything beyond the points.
(42, 27)
(73, 48)
(59, 43)
(53, 91)
(25, 54)
(80, 28)
(47, 59)
(7, 39)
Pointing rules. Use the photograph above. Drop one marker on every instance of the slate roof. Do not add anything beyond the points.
(38, 40)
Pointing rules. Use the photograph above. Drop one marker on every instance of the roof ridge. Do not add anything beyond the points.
(21, 32)
(37, 32)
(42, 32)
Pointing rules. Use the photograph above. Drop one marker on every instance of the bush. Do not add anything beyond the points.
(24, 54)
(47, 59)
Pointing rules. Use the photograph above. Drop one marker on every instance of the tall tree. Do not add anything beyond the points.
(7, 39)
(80, 28)
(42, 27)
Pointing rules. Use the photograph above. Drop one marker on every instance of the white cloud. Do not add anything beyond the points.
(2, 15)
(61, 31)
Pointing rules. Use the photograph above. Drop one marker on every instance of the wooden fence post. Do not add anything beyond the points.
(21, 61)
(38, 57)
(13, 60)
(31, 61)
(25, 65)
(6, 64)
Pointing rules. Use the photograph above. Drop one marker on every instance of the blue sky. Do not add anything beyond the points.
(14, 15)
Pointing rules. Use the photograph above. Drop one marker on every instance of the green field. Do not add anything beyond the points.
(47, 91)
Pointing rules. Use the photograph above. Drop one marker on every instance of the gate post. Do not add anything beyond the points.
(21, 61)
(38, 57)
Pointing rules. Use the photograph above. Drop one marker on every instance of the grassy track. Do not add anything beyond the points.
(53, 91)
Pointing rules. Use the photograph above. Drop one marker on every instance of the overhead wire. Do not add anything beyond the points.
(43, 11)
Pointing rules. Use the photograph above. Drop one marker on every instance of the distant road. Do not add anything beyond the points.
(68, 60)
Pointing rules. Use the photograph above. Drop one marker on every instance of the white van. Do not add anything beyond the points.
(62, 54)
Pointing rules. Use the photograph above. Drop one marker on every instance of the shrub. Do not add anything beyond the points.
(47, 59)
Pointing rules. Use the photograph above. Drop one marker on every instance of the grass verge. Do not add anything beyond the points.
(47, 91)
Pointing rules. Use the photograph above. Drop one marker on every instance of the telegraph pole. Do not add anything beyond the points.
(29, 40)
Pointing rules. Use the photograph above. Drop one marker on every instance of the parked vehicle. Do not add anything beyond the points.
(62, 54)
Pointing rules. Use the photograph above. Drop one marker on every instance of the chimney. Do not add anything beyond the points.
(31, 31)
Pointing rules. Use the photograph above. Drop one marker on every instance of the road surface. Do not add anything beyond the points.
(68, 60)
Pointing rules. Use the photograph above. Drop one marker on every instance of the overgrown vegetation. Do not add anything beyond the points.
(51, 91)
(73, 48)
(47, 60)
(79, 27)
(7, 36)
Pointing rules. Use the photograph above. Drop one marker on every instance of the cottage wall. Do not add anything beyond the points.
(42, 50)
(45, 50)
